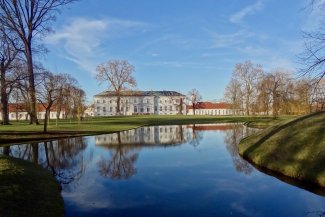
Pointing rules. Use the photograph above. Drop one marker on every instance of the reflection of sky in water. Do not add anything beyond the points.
(191, 179)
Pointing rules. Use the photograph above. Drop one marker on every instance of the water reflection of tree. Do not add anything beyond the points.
(121, 163)
(232, 139)
(195, 136)
(63, 157)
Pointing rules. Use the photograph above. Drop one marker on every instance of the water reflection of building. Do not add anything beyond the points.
(151, 135)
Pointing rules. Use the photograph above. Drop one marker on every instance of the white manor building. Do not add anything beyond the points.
(140, 102)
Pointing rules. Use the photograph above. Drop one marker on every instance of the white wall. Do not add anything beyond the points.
(211, 112)
(162, 105)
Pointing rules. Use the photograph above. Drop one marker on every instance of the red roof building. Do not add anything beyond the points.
(209, 108)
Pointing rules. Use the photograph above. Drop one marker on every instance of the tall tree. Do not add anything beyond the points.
(30, 20)
(248, 75)
(48, 93)
(194, 97)
(277, 86)
(8, 54)
(233, 95)
(313, 58)
(118, 73)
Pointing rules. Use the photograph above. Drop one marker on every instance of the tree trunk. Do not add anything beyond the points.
(180, 107)
(35, 152)
(193, 105)
(4, 98)
(118, 103)
(247, 105)
(31, 89)
(47, 111)
(6, 150)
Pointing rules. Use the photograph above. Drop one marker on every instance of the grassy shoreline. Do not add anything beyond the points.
(28, 189)
(294, 148)
(23, 132)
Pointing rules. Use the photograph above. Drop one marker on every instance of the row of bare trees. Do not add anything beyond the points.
(252, 91)
(59, 92)
(23, 24)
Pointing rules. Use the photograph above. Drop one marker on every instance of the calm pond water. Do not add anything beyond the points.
(166, 171)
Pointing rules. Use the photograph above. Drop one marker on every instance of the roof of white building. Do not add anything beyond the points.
(140, 93)
(209, 105)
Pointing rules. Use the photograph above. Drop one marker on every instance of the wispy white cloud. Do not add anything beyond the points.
(230, 40)
(82, 40)
(248, 10)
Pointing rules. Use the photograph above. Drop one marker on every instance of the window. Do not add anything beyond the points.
(127, 109)
(110, 109)
(177, 100)
(98, 101)
(148, 109)
(104, 109)
(148, 101)
(141, 110)
(171, 108)
(135, 109)
(110, 101)
(176, 108)
(165, 108)
(122, 108)
(104, 101)
(135, 100)
(160, 108)
(98, 109)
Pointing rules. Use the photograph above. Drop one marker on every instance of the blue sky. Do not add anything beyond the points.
(177, 44)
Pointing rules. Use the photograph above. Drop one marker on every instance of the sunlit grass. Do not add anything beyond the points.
(293, 148)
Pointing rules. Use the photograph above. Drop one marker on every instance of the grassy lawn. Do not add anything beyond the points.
(294, 148)
(22, 131)
(28, 190)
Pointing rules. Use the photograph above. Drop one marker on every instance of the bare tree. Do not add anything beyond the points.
(194, 97)
(49, 92)
(118, 73)
(277, 81)
(248, 75)
(8, 54)
(30, 20)
(313, 58)
(233, 95)
(65, 94)
(264, 98)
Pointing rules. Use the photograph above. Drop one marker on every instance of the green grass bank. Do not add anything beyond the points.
(294, 148)
(28, 190)
(21, 131)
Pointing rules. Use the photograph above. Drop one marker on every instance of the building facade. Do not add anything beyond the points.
(146, 136)
(209, 108)
(18, 111)
(139, 103)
